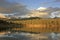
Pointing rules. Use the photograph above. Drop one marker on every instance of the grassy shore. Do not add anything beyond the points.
(39, 25)
(33, 25)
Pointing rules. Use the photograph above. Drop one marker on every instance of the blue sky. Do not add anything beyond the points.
(33, 4)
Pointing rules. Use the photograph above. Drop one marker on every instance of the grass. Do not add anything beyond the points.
(39, 25)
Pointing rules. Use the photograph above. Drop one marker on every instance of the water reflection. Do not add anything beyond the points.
(29, 36)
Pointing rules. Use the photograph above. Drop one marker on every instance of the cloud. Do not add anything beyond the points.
(2, 15)
(15, 8)
(41, 8)
(49, 12)
(52, 12)
(57, 1)
(55, 14)
(18, 9)
(49, 2)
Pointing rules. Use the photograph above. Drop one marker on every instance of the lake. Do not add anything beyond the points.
(29, 36)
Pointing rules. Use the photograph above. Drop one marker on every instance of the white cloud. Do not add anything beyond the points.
(55, 14)
(41, 8)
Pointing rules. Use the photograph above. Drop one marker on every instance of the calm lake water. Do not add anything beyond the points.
(30, 36)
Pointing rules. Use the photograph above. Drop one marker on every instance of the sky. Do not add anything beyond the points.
(33, 4)
(23, 8)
